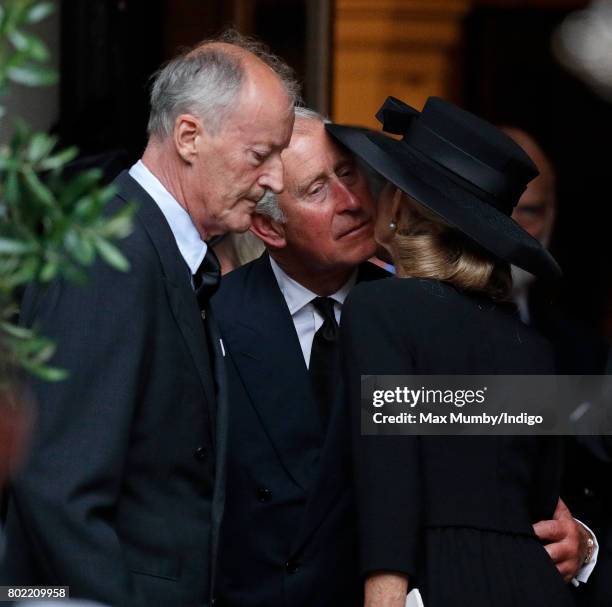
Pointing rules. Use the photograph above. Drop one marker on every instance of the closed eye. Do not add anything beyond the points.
(259, 156)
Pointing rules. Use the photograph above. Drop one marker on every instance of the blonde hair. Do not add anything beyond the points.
(425, 246)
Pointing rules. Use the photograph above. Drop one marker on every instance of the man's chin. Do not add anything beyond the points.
(240, 228)
(239, 222)
(243, 227)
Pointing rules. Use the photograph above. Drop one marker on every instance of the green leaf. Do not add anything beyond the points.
(43, 351)
(111, 255)
(59, 160)
(50, 374)
(8, 246)
(30, 350)
(11, 188)
(38, 188)
(8, 265)
(21, 134)
(106, 193)
(40, 146)
(118, 226)
(16, 331)
(85, 209)
(31, 74)
(39, 11)
(80, 248)
(6, 159)
(26, 272)
(79, 185)
(32, 45)
(49, 271)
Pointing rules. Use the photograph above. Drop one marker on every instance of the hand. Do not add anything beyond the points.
(566, 541)
(386, 589)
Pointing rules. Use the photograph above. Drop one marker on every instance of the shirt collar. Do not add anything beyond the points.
(297, 296)
(192, 247)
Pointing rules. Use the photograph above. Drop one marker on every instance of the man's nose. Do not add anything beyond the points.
(347, 200)
(272, 178)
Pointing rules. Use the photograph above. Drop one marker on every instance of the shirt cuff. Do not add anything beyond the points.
(586, 570)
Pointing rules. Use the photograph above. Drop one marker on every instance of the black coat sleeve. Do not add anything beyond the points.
(64, 499)
(386, 468)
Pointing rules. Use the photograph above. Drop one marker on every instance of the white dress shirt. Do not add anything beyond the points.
(192, 247)
(306, 318)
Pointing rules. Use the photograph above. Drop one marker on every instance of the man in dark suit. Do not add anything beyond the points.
(122, 496)
(288, 537)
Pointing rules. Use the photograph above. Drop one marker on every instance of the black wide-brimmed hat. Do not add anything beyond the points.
(460, 167)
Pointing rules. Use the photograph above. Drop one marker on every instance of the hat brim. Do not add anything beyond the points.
(421, 179)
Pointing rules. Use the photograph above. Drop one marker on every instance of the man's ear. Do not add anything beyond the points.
(187, 129)
(271, 232)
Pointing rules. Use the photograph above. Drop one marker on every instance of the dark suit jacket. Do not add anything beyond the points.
(406, 484)
(288, 536)
(122, 496)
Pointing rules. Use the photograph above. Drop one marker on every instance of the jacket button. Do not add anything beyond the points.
(292, 567)
(264, 495)
(200, 453)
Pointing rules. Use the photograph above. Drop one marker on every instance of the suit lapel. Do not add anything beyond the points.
(222, 426)
(176, 273)
(266, 351)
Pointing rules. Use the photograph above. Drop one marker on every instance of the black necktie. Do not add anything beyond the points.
(206, 279)
(324, 357)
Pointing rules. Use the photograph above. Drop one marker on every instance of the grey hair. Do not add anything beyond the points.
(268, 204)
(305, 113)
(205, 80)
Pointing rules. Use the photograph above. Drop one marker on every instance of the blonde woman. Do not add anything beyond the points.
(451, 515)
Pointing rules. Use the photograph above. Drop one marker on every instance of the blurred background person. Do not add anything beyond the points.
(234, 250)
(577, 348)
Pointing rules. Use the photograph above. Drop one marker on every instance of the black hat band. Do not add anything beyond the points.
(504, 191)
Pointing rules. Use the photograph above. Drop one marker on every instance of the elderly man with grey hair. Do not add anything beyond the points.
(122, 496)
(289, 537)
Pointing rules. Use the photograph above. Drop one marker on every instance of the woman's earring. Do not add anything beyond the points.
(393, 226)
